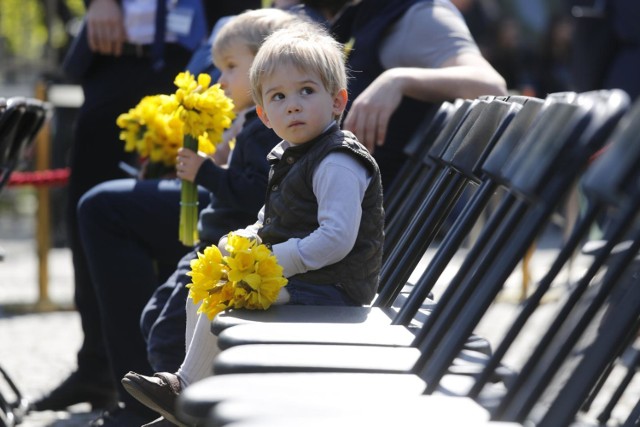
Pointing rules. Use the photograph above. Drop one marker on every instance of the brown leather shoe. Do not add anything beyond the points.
(158, 392)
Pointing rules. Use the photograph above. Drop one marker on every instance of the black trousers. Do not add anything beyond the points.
(111, 87)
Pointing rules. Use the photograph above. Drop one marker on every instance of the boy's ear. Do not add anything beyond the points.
(340, 102)
(263, 116)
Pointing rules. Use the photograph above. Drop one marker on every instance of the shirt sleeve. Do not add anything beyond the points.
(428, 34)
(339, 184)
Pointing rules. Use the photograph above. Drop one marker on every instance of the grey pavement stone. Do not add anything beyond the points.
(39, 348)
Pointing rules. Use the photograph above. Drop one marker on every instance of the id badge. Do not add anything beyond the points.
(179, 20)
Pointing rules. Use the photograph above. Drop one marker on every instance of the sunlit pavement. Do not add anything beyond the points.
(39, 346)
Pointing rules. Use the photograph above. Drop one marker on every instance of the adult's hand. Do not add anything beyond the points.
(105, 27)
(370, 112)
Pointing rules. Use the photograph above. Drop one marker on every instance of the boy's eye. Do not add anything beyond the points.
(306, 90)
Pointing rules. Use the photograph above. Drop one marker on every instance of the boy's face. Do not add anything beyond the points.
(297, 106)
(234, 63)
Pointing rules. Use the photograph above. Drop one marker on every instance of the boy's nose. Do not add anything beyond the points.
(222, 81)
(293, 107)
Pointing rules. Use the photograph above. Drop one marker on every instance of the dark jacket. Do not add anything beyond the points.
(238, 192)
(291, 211)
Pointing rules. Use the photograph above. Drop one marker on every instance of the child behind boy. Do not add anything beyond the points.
(237, 192)
(323, 217)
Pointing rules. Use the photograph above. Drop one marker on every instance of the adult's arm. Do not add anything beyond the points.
(446, 65)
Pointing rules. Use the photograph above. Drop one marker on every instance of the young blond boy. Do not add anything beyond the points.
(323, 216)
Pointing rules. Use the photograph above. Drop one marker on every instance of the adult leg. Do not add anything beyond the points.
(112, 86)
(127, 228)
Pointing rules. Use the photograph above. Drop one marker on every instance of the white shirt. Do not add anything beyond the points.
(140, 20)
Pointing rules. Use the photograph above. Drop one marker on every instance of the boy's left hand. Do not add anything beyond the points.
(187, 164)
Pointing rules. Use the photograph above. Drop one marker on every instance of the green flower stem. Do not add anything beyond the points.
(188, 234)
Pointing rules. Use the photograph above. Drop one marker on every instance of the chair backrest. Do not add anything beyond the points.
(20, 121)
(566, 137)
(402, 202)
(476, 134)
(613, 181)
(569, 133)
(32, 121)
(415, 149)
(488, 167)
(10, 122)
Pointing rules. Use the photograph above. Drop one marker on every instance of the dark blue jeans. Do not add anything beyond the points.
(129, 231)
(303, 293)
(111, 87)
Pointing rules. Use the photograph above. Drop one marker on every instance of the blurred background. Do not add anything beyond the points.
(527, 41)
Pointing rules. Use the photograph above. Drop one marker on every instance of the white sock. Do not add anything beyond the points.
(201, 350)
(192, 318)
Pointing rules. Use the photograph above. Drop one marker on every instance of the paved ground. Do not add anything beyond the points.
(38, 348)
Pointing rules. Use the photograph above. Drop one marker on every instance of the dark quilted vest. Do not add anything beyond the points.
(366, 24)
(291, 211)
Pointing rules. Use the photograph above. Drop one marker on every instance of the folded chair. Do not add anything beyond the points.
(19, 133)
(377, 388)
(537, 179)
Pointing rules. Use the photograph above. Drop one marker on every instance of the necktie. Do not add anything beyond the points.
(157, 52)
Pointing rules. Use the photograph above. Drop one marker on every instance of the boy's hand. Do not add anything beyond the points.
(221, 156)
(187, 164)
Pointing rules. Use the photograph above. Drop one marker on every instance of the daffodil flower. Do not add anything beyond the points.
(249, 277)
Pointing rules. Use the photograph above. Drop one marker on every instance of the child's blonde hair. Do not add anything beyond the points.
(251, 28)
(306, 46)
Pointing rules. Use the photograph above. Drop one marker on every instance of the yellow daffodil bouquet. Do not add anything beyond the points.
(249, 277)
(155, 133)
(195, 117)
(203, 109)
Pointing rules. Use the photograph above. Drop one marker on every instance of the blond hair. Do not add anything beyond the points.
(251, 28)
(306, 46)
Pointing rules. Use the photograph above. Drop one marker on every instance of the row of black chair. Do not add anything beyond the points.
(20, 121)
(412, 361)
